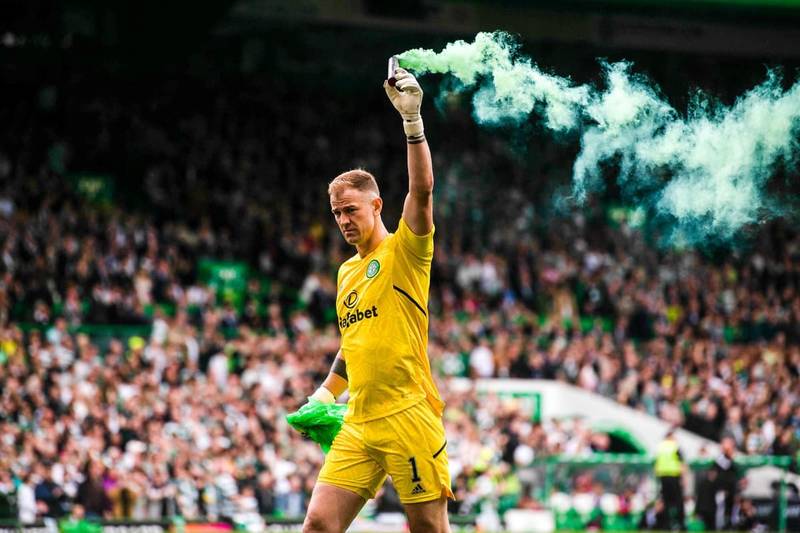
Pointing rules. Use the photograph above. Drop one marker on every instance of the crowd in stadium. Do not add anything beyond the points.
(151, 428)
(189, 418)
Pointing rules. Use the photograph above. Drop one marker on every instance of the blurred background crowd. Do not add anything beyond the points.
(186, 414)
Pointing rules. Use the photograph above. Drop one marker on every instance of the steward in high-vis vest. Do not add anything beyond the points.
(669, 470)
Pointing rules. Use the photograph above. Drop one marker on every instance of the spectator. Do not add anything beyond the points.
(726, 483)
(265, 493)
(706, 498)
(655, 517)
(50, 496)
(91, 492)
(160, 496)
(76, 522)
(293, 501)
(26, 501)
(746, 519)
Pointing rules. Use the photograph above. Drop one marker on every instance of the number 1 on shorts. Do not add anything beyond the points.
(414, 475)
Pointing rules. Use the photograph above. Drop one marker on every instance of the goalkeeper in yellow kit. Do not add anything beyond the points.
(393, 424)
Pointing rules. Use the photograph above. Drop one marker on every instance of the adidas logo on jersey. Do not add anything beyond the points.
(417, 490)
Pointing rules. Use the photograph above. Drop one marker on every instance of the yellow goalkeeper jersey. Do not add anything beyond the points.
(382, 307)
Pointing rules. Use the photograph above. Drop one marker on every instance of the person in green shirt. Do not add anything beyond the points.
(76, 522)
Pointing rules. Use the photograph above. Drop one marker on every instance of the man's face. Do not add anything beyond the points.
(356, 213)
(728, 446)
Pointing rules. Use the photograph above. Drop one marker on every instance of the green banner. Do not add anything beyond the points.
(227, 278)
(96, 188)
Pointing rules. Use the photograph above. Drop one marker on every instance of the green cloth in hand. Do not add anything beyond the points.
(319, 421)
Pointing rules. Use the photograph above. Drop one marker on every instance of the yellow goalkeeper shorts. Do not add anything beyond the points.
(409, 446)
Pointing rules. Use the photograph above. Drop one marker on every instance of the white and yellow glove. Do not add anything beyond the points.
(406, 97)
(323, 395)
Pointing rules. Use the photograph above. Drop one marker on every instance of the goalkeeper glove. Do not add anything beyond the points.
(406, 97)
(323, 395)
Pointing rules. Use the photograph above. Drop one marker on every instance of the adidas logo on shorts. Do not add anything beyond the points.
(417, 490)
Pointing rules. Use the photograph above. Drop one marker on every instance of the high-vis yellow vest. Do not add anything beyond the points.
(382, 308)
(668, 463)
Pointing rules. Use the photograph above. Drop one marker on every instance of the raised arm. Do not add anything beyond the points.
(406, 96)
(335, 383)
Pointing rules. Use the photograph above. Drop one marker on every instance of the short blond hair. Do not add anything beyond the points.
(357, 178)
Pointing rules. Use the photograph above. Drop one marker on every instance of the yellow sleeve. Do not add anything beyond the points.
(418, 246)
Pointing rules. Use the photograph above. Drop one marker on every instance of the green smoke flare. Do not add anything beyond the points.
(704, 172)
(509, 86)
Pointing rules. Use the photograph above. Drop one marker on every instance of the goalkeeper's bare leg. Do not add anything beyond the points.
(331, 509)
(428, 517)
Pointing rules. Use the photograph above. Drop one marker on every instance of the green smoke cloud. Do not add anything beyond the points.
(704, 172)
